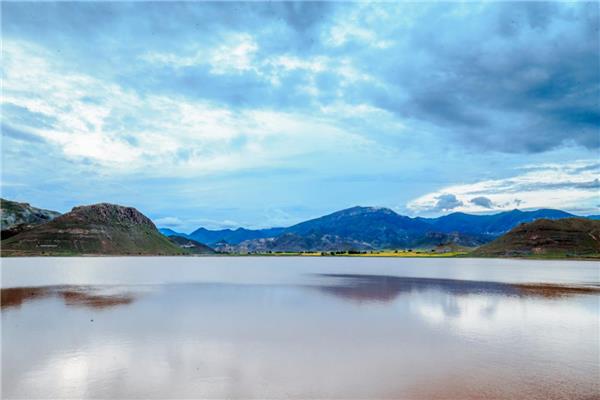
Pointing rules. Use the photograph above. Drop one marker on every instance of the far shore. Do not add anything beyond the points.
(374, 254)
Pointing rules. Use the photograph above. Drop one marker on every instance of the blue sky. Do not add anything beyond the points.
(265, 114)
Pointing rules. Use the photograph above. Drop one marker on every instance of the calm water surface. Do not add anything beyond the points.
(314, 327)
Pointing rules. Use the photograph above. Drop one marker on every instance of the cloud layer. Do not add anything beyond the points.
(572, 186)
(321, 105)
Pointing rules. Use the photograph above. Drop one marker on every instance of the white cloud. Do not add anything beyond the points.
(168, 221)
(447, 202)
(236, 54)
(124, 132)
(563, 186)
(287, 62)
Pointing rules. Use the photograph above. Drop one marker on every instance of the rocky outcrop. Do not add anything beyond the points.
(13, 214)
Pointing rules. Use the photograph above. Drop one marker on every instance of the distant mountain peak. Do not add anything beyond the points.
(358, 210)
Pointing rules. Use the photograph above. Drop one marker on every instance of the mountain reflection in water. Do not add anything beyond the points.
(299, 328)
(385, 288)
(82, 296)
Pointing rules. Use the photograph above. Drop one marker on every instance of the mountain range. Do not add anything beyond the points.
(491, 224)
(364, 228)
(113, 229)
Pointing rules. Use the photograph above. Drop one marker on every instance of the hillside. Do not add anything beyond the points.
(564, 237)
(191, 245)
(17, 217)
(97, 229)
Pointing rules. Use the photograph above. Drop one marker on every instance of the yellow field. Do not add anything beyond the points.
(378, 253)
(391, 253)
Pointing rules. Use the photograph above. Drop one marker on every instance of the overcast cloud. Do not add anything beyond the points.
(267, 113)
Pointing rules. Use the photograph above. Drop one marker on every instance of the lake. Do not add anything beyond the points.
(299, 327)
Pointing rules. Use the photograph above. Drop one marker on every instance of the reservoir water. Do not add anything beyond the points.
(299, 327)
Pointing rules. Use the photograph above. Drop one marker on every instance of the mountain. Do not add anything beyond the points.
(18, 217)
(191, 245)
(366, 228)
(170, 232)
(381, 227)
(96, 229)
(357, 228)
(290, 242)
(564, 237)
(493, 224)
(232, 236)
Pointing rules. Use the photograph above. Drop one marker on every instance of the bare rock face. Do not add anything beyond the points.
(105, 213)
(14, 214)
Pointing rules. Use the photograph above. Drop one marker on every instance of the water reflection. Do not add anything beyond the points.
(328, 335)
(76, 296)
(385, 288)
(14, 297)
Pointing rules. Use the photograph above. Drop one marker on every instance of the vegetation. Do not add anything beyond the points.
(353, 253)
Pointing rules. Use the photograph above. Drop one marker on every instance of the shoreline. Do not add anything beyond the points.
(592, 258)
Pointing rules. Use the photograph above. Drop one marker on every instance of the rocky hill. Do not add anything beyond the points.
(565, 237)
(17, 217)
(96, 229)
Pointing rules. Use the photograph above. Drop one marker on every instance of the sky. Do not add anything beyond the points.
(266, 114)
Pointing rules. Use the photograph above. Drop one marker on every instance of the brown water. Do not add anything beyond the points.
(299, 328)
